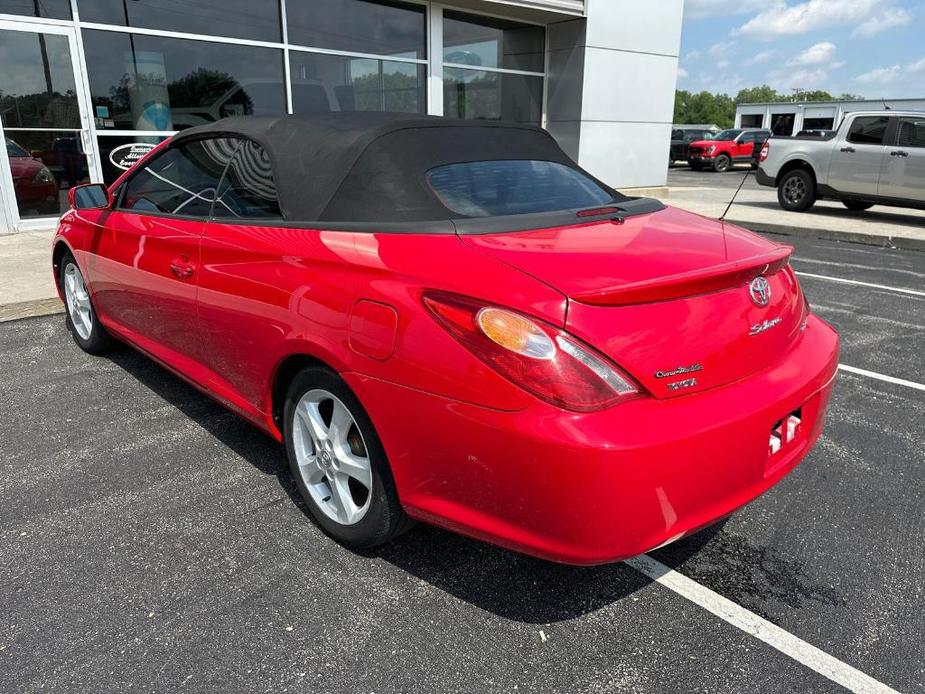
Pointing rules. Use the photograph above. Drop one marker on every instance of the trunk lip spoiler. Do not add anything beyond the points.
(691, 283)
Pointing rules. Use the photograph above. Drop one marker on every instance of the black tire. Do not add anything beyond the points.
(97, 340)
(796, 191)
(857, 205)
(722, 163)
(384, 518)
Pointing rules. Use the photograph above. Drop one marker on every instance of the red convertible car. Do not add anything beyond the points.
(452, 322)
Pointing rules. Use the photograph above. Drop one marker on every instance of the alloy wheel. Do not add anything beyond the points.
(332, 457)
(794, 190)
(77, 299)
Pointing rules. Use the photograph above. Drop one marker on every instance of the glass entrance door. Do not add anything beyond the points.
(44, 124)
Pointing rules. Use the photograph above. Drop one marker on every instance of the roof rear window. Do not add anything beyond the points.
(509, 187)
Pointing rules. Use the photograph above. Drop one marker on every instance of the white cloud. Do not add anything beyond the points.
(722, 64)
(721, 48)
(682, 73)
(880, 75)
(692, 56)
(784, 19)
(698, 9)
(917, 66)
(817, 54)
(889, 18)
(760, 58)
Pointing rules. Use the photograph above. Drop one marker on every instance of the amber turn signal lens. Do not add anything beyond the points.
(515, 333)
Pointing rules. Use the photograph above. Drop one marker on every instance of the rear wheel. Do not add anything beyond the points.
(79, 315)
(338, 462)
(857, 205)
(722, 163)
(796, 191)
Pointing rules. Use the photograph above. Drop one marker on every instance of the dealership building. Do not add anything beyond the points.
(86, 86)
(790, 117)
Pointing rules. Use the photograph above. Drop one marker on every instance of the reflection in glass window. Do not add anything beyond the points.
(172, 84)
(868, 130)
(113, 147)
(181, 180)
(506, 187)
(363, 26)
(322, 83)
(481, 95)
(44, 164)
(245, 19)
(51, 9)
(36, 81)
(912, 132)
(490, 42)
(248, 190)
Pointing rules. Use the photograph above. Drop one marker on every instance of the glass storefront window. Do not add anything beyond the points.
(49, 9)
(323, 83)
(119, 152)
(140, 82)
(362, 26)
(482, 95)
(44, 165)
(245, 19)
(37, 81)
(490, 42)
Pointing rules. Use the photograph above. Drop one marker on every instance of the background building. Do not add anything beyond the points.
(86, 85)
(789, 118)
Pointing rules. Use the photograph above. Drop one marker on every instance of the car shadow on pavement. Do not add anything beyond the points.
(873, 215)
(507, 584)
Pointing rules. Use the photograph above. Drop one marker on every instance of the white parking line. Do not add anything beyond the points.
(901, 290)
(881, 377)
(819, 661)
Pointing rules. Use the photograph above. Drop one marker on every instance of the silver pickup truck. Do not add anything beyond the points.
(874, 158)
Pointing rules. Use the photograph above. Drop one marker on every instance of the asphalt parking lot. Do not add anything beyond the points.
(150, 541)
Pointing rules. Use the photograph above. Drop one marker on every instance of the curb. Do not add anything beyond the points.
(30, 309)
(900, 242)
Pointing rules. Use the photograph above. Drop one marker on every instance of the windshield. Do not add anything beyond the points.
(725, 135)
(508, 187)
(14, 150)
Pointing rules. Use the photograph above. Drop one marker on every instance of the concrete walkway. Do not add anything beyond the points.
(27, 287)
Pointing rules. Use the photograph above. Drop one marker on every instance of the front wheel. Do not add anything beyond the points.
(722, 163)
(338, 462)
(857, 205)
(79, 316)
(797, 191)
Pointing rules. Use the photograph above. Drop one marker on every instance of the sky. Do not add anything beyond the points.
(875, 48)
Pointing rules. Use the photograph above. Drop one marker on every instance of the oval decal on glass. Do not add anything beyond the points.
(125, 156)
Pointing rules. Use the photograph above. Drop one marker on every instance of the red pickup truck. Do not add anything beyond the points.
(726, 148)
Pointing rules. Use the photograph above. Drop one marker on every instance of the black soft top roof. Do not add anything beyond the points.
(369, 167)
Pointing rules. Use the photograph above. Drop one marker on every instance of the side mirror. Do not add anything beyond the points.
(90, 196)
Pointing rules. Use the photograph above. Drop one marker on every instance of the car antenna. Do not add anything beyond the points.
(885, 107)
(735, 195)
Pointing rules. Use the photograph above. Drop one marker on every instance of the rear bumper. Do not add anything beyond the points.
(764, 179)
(600, 487)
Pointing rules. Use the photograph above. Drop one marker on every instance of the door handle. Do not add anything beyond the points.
(182, 268)
(899, 153)
(850, 150)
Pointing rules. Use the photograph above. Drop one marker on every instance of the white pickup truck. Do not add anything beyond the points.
(874, 158)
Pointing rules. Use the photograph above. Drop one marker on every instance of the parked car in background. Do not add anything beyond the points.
(874, 158)
(681, 138)
(726, 148)
(35, 184)
(455, 323)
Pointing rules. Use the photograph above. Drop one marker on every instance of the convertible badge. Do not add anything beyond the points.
(692, 369)
(759, 328)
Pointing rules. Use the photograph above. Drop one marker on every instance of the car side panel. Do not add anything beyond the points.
(266, 293)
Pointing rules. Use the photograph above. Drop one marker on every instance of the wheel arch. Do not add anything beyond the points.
(57, 255)
(794, 164)
(286, 370)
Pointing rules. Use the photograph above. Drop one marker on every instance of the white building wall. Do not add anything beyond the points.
(611, 88)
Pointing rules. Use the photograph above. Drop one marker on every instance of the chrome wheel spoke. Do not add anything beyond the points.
(356, 467)
(77, 299)
(342, 499)
(311, 417)
(341, 421)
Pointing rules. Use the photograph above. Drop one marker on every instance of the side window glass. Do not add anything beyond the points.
(912, 132)
(747, 138)
(248, 190)
(181, 180)
(869, 130)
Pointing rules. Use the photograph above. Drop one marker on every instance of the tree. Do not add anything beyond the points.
(704, 107)
(759, 95)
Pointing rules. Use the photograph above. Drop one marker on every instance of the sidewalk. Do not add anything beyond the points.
(757, 209)
(27, 287)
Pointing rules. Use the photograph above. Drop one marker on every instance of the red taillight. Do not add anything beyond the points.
(765, 149)
(541, 359)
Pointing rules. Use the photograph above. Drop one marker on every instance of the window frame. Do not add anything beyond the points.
(889, 132)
